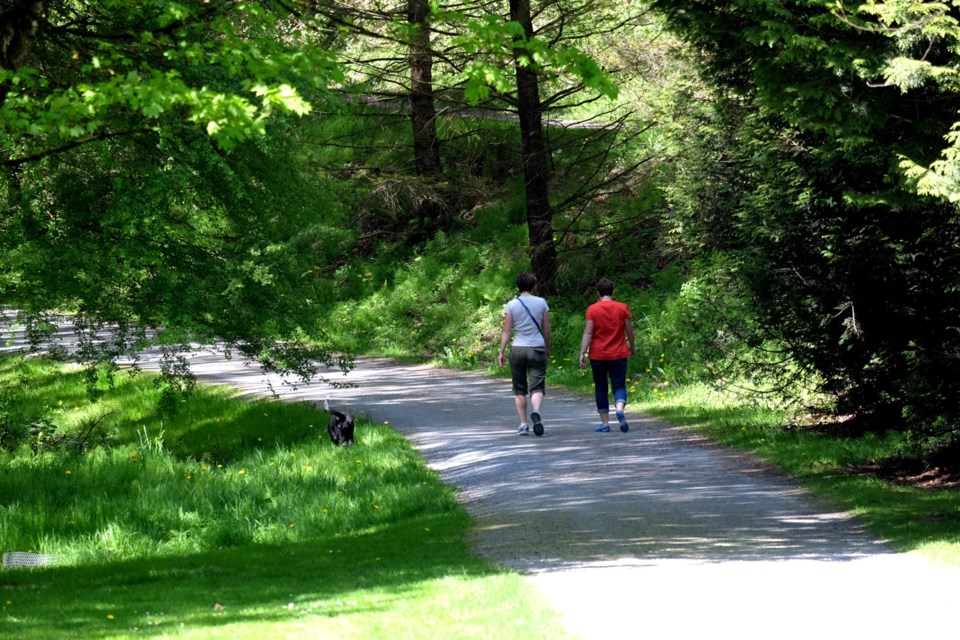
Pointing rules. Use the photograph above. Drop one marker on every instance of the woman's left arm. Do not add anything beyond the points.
(585, 342)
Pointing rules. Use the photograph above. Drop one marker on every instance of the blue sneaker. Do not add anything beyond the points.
(524, 430)
(603, 429)
(622, 419)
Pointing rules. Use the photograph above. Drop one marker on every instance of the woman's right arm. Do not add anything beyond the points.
(504, 337)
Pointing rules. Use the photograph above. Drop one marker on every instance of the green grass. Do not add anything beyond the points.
(913, 519)
(413, 579)
(231, 518)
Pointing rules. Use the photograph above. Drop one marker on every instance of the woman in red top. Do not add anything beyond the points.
(606, 335)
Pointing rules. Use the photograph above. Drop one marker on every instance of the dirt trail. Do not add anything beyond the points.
(649, 534)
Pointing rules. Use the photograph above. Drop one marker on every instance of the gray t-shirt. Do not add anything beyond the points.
(525, 332)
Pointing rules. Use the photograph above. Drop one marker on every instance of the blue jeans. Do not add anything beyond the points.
(616, 370)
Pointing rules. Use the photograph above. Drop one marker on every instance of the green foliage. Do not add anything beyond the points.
(206, 245)
(844, 286)
(874, 78)
(446, 301)
(142, 191)
(927, 40)
(152, 68)
(498, 41)
(796, 182)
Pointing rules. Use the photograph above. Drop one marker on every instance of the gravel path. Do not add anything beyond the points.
(650, 534)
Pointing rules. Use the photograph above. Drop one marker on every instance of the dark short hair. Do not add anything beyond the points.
(605, 287)
(526, 281)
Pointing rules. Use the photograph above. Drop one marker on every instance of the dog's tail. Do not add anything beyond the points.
(339, 414)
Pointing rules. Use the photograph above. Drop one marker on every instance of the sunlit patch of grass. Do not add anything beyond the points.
(130, 501)
(411, 579)
(237, 518)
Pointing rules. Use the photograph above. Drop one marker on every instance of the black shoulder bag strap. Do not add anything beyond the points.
(531, 315)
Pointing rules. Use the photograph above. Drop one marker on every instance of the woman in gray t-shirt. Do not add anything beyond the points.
(528, 317)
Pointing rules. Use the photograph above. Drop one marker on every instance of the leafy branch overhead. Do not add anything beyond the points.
(856, 72)
(123, 207)
(100, 69)
(504, 39)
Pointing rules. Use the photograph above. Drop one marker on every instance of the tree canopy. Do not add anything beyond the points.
(138, 192)
(856, 74)
(74, 71)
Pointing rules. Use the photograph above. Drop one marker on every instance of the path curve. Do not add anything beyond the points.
(655, 533)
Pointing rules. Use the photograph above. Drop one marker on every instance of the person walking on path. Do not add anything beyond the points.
(609, 339)
(528, 317)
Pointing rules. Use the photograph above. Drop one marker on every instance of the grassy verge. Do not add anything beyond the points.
(913, 519)
(230, 518)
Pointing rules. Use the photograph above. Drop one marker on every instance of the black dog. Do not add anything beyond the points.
(340, 427)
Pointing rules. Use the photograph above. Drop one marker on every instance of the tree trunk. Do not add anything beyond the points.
(543, 254)
(426, 145)
(18, 29)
